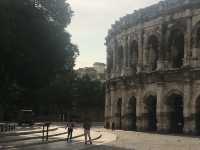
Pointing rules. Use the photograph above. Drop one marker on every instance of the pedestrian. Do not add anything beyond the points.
(86, 127)
(70, 128)
(113, 126)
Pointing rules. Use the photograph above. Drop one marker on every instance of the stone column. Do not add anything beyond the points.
(188, 36)
(113, 106)
(161, 62)
(108, 108)
(109, 63)
(145, 62)
(140, 50)
(114, 69)
(139, 110)
(162, 118)
(124, 110)
(128, 58)
(189, 122)
(124, 45)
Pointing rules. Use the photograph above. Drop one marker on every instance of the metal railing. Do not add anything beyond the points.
(7, 127)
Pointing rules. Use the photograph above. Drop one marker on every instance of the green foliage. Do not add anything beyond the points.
(35, 47)
(63, 95)
(90, 93)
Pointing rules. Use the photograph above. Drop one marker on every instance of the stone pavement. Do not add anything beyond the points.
(146, 141)
(123, 140)
(76, 144)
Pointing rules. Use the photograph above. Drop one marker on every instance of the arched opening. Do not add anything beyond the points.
(107, 125)
(113, 126)
(133, 54)
(196, 43)
(198, 38)
(152, 54)
(119, 113)
(109, 106)
(175, 113)
(176, 46)
(150, 105)
(197, 116)
(132, 114)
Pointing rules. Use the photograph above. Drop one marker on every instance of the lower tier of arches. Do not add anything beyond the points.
(167, 108)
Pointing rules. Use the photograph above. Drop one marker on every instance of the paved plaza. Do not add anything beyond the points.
(118, 140)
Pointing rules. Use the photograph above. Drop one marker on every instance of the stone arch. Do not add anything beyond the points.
(197, 115)
(133, 54)
(174, 111)
(152, 51)
(176, 44)
(131, 113)
(118, 124)
(150, 106)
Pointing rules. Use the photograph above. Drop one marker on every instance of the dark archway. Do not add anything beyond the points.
(151, 103)
(175, 109)
(197, 116)
(152, 54)
(133, 54)
(132, 114)
(109, 106)
(119, 113)
(198, 38)
(176, 46)
(107, 125)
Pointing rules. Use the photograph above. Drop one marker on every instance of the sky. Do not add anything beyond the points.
(91, 21)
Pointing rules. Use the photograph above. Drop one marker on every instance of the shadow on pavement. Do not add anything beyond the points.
(105, 147)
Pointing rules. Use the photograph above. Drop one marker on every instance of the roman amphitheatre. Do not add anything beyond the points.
(153, 73)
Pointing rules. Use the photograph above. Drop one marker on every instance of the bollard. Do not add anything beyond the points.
(43, 132)
(1, 128)
(47, 134)
(47, 125)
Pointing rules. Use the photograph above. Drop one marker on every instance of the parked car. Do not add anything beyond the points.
(26, 117)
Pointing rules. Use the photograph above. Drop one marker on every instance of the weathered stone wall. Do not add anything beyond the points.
(153, 58)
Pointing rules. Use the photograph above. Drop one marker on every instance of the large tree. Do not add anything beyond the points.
(34, 47)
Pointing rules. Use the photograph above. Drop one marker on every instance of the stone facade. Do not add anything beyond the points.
(153, 69)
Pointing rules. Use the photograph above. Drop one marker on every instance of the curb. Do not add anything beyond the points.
(48, 142)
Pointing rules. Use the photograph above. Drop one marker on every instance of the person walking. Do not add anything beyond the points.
(70, 128)
(86, 127)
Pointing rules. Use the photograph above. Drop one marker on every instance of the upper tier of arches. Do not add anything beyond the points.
(161, 46)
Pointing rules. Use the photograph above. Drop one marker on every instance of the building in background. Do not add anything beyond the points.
(97, 72)
(99, 67)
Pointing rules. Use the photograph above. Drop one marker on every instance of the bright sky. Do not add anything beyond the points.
(90, 24)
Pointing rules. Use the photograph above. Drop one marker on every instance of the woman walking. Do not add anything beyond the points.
(70, 128)
(86, 127)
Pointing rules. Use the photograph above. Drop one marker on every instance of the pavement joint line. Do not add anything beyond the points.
(46, 142)
(31, 138)
(27, 133)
